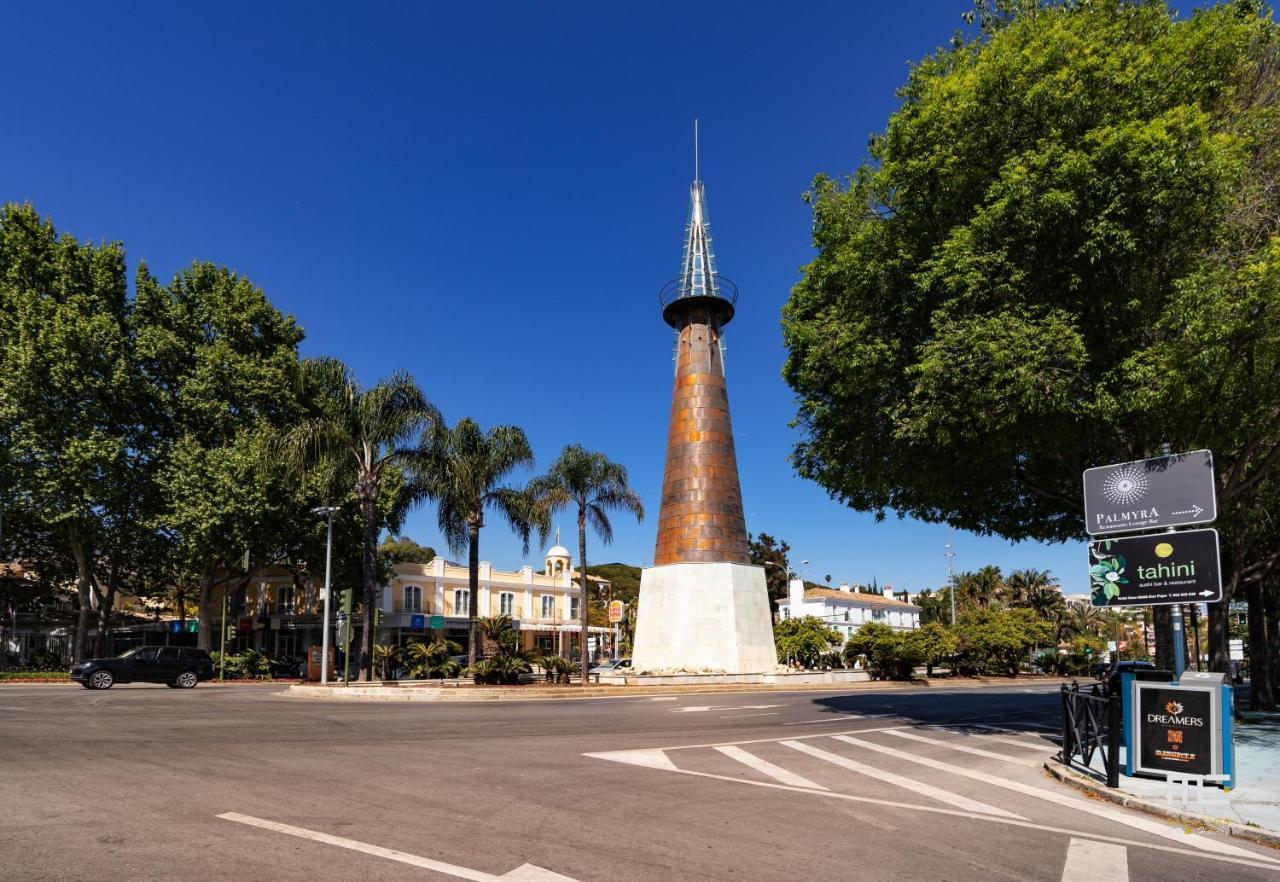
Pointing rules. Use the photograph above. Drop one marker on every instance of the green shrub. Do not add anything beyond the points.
(247, 665)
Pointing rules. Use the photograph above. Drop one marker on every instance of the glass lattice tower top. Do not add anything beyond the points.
(699, 283)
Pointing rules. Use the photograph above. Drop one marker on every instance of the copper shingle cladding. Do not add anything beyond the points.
(701, 516)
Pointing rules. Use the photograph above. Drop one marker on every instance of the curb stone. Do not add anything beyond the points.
(1260, 835)
(530, 693)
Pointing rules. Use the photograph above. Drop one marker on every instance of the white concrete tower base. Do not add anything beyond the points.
(704, 617)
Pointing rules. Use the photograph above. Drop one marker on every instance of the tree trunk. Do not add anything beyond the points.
(106, 603)
(369, 567)
(204, 613)
(1271, 599)
(583, 603)
(84, 577)
(1261, 674)
(1219, 637)
(473, 589)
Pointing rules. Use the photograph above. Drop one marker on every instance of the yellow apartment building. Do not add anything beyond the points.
(272, 612)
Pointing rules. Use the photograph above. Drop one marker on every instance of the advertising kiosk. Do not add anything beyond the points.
(1179, 727)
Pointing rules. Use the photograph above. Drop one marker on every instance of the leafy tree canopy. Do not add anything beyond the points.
(1063, 252)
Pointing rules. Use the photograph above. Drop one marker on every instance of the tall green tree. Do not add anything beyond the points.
(464, 471)
(221, 369)
(770, 553)
(1062, 252)
(367, 436)
(74, 439)
(591, 485)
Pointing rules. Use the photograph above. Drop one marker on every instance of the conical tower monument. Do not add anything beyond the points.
(703, 606)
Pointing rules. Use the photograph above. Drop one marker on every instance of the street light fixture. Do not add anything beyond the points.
(326, 511)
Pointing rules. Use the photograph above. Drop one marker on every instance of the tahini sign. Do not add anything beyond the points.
(1155, 570)
(1150, 494)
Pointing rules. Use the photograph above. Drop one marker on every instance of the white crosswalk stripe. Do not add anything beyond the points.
(964, 748)
(777, 773)
(1089, 861)
(944, 796)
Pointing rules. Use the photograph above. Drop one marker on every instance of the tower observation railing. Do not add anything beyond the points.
(724, 288)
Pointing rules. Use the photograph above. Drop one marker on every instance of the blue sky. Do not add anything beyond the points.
(489, 195)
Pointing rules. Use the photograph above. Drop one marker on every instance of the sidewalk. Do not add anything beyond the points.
(1251, 810)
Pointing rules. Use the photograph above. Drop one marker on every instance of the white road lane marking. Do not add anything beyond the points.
(662, 698)
(1089, 861)
(841, 717)
(944, 796)
(740, 716)
(1254, 860)
(964, 748)
(1041, 747)
(765, 767)
(1063, 798)
(650, 758)
(523, 873)
(700, 708)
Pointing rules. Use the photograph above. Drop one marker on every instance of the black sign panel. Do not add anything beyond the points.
(1153, 570)
(1168, 491)
(1176, 730)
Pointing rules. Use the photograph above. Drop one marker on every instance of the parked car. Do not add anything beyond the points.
(1112, 675)
(612, 666)
(178, 667)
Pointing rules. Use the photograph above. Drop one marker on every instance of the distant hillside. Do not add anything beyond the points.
(624, 578)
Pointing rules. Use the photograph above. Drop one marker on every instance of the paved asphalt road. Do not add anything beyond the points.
(243, 783)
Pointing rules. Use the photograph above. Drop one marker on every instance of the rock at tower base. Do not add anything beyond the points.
(704, 617)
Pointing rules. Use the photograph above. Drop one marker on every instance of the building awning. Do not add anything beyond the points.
(566, 629)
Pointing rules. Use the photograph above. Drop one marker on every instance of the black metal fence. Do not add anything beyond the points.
(1091, 723)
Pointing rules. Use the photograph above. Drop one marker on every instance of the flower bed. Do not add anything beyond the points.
(34, 677)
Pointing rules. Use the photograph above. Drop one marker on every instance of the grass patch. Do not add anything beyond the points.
(37, 676)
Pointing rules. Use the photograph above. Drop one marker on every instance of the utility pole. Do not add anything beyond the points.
(326, 511)
(951, 588)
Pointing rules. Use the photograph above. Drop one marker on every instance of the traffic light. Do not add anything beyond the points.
(231, 632)
(377, 618)
(344, 600)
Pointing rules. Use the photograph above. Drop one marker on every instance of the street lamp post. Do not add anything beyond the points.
(326, 511)
(951, 588)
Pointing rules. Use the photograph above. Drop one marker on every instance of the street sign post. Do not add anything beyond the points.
(1177, 490)
(616, 610)
(1165, 568)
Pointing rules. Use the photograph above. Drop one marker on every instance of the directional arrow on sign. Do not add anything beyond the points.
(1194, 511)
(1207, 593)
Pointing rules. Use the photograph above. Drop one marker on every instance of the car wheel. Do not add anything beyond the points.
(101, 680)
(187, 680)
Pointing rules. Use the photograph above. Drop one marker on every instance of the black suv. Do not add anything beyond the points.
(175, 666)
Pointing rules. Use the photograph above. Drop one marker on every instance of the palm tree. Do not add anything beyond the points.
(434, 659)
(361, 435)
(1034, 589)
(463, 470)
(594, 485)
(1080, 618)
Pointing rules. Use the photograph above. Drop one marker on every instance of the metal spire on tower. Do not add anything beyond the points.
(699, 283)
